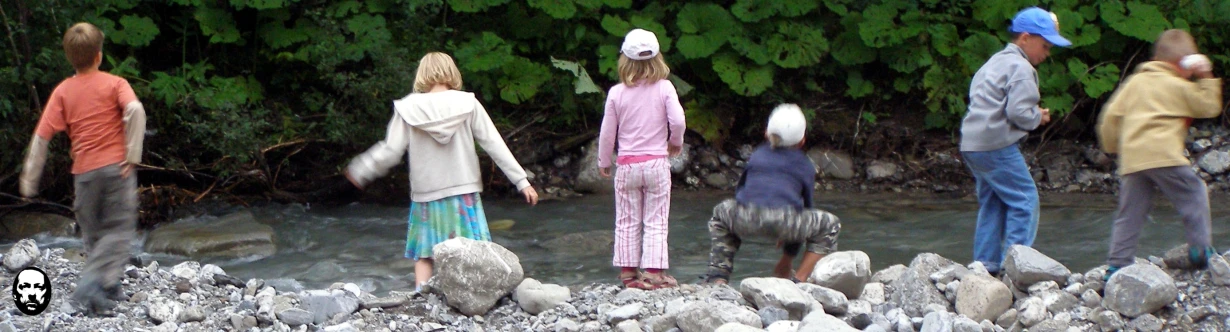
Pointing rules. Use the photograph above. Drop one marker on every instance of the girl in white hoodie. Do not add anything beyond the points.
(439, 125)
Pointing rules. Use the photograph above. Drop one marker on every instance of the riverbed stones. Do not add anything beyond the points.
(778, 292)
(709, 315)
(832, 164)
(888, 275)
(535, 297)
(236, 235)
(295, 317)
(937, 321)
(734, 327)
(161, 309)
(1139, 289)
(1026, 266)
(1219, 269)
(20, 225)
(770, 315)
(473, 275)
(818, 321)
(626, 312)
(23, 254)
(879, 170)
(873, 293)
(1215, 162)
(324, 304)
(588, 179)
(981, 298)
(914, 291)
(833, 302)
(844, 271)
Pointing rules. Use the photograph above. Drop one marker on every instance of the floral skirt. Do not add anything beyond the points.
(439, 220)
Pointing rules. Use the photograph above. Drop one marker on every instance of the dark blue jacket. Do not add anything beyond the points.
(781, 177)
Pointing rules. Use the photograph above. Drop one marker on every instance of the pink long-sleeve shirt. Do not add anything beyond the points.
(643, 119)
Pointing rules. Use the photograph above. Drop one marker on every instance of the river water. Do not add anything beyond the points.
(364, 243)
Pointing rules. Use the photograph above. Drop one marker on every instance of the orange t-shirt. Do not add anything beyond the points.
(91, 108)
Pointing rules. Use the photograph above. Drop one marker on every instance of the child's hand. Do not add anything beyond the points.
(125, 170)
(531, 196)
(352, 180)
(1046, 116)
(674, 150)
(604, 171)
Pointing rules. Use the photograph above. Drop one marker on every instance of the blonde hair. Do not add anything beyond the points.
(82, 43)
(1172, 45)
(651, 70)
(437, 68)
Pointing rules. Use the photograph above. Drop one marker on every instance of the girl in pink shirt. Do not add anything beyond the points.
(643, 117)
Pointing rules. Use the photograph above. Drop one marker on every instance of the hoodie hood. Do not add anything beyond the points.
(440, 114)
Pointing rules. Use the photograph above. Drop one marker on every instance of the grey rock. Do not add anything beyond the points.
(680, 162)
(708, 316)
(784, 326)
(1007, 319)
(661, 323)
(383, 302)
(1219, 269)
(343, 327)
(161, 309)
(473, 275)
(735, 327)
(1146, 322)
(1026, 266)
(285, 285)
(949, 274)
(845, 271)
(964, 324)
(882, 171)
(19, 225)
(832, 164)
(165, 327)
(566, 325)
(983, 298)
(873, 293)
(833, 302)
(818, 321)
(1050, 325)
(1091, 299)
(627, 312)
(1059, 301)
(888, 275)
(588, 180)
(1215, 162)
(325, 304)
(770, 315)
(235, 235)
(192, 314)
(717, 180)
(23, 254)
(777, 292)
(938, 321)
(913, 291)
(535, 297)
(295, 317)
(630, 325)
(1033, 312)
(1200, 313)
(1139, 289)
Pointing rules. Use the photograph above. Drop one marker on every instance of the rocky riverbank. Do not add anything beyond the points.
(480, 286)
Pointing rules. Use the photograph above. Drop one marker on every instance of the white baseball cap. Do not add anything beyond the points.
(787, 122)
(640, 44)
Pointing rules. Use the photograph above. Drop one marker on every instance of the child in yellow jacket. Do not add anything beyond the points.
(1146, 122)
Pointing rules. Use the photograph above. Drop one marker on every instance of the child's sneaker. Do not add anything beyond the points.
(1109, 271)
(1196, 259)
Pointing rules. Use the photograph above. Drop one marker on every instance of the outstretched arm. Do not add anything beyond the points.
(134, 134)
(378, 159)
(32, 169)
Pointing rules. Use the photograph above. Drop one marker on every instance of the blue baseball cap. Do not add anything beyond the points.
(1038, 21)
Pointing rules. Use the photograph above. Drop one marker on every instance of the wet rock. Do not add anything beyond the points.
(845, 271)
(982, 298)
(21, 225)
(883, 171)
(237, 235)
(285, 285)
(708, 316)
(23, 254)
(627, 312)
(832, 164)
(1139, 289)
(679, 163)
(473, 275)
(161, 309)
(583, 243)
(535, 297)
(834, 302)
(873, 293)
(222, 280)
(778, 292)
(770, 315)
(1146, 323)
(588, 179)
(1215, 162)
(325, 304)
(717, 180)
(818, 321)
(735, 327)
(1026, 266)
(888, 275)
(913, 292)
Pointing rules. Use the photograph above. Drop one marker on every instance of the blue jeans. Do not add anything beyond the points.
(1007, 200)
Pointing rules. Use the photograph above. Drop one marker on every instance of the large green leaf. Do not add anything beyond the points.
(560, 9)
(857, 86)
(754, 10)
(797, 45)
(796, 8)
(259, 4)
(138, 31)
(707, 28)
(485, 52)
(521, 80)
(744, 80)
(944, 38)
(1141, 21)
(582, 82)
(217, 24)
(616, 25)
(474, 6)
(278, 36)
(849, 49)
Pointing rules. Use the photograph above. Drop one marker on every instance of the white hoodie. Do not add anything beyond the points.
(439, 129)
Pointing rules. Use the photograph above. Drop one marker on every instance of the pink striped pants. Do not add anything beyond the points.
(642, 203)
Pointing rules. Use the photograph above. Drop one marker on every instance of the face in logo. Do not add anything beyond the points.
(32, 291)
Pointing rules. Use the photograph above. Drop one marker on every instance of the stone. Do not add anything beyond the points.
(236, 235)
(285, 285)
(708, 316)
(192, 314)
(888, 275)
(845, 271)
(1033, 312)
(832, 164)
(784, 326)
(978, 268)
(535, 297)
(1139, 289)
(964, 324)
(1059, 301)
(938, 321)
(1091, 299)
(778, 292)
(566, 325)
(474, 275)
(882, 171)
(660, 323)
(588, 179)
(23, 254)
(1146, 322)
(222, 280)
(1050, 325)
(20, 225)
(1007, 319)
(627, 312)
(679, 163)
(717, 180)
(1200, 313)
(208, 271)
(161, 309)
(1219, 269)
(735, 327)
(628, 326)
(949, 274)
(1026, 266)
(770, 315)
(873, 293)
(818, 321)
(914, 291)
(325, 304)
(1215, 162)
(581, 244)
(343, 327)
(983, 298)
(295, 317)
(166, 327)
(834, 302)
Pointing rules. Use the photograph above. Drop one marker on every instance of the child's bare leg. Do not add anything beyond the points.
(782, 270)
(809, 263)
(422, 271)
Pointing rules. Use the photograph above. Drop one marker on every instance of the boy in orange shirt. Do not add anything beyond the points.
(106, 125)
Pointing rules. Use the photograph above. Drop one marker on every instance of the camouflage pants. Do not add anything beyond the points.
(731, 222)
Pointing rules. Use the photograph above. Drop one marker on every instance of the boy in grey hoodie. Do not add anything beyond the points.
(1003, 108)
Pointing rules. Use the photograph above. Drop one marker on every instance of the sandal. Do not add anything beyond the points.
(659, 280)
(634, 280)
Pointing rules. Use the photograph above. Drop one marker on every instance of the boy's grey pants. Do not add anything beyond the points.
(106, 207)
(814, 228)
(1181, 186)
